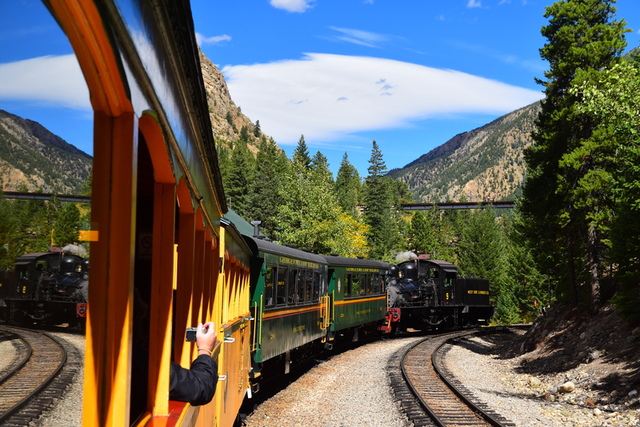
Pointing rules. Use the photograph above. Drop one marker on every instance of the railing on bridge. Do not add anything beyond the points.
(21, 195)
(458, 205)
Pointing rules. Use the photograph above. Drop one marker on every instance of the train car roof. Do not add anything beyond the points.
(443, 264)
(274, 248)
(355, 262)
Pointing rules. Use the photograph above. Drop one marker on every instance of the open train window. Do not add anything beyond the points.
(281, 291)
(348, 285)
(355, 285)
(291, 286)
(300, 285)
(316, 286)
(270, 284)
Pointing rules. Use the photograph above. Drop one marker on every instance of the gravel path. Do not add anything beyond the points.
(526, 400)
(350, 389)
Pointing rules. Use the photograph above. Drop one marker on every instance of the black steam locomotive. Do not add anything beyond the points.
(45, 288)
(427, 294)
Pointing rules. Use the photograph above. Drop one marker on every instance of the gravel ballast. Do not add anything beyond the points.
(352, 389)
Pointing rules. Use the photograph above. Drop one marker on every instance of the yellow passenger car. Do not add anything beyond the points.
(162, 257)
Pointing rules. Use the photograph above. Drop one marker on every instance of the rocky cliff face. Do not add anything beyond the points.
(484, 164)
(32, 159)
(227, 119)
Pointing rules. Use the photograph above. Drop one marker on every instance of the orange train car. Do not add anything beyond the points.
(162, 256)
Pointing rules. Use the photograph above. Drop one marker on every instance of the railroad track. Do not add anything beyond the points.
(36, 377)
(429, 394)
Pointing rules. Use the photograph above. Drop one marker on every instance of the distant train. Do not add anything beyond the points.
(46, 288)
(428, 294)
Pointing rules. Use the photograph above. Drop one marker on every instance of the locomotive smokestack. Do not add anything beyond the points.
(256, 228)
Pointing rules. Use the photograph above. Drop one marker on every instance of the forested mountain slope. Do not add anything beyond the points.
(483, 164)
(32, 158)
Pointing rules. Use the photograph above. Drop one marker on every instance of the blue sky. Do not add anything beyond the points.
(409, 74)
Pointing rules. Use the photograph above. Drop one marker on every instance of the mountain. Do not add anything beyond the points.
(33, 158)
(227, 119)
(483, 164)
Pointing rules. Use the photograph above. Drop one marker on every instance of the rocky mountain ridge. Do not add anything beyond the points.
(227, 120)
(34, 159)
(483, 164)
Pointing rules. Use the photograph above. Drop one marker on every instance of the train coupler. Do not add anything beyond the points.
(392, 316)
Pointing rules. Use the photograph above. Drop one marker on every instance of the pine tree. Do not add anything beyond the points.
(320, 167)
(67, 226)
(580, 39)
(301, 154)
(613, 99)
(241, 175)
(348, 186)
(264, 196)
(378, 201)
(422, 236)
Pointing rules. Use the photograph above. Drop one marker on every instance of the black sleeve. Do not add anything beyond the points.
(196, 385)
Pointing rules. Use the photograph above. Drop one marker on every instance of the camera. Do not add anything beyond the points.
(191, 334)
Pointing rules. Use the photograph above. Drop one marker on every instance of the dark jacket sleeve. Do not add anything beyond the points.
(196, 385)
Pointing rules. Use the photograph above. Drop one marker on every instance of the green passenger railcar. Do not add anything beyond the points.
(288, 288)
(358, 292)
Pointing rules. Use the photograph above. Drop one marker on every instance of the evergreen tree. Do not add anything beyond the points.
(378, 201)
(581, 39)
(265, 197)
(240, 178)
(613, 99)
(483, 252)
(320, 166)
(422, 234)
(301, 154)
(348, 186)
(257, 132)
(67, 225)
(224, 162)
(9, 227)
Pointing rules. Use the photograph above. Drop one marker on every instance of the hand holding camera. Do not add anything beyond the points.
(204, 336)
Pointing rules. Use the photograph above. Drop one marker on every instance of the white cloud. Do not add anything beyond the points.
(200, 39)
(299, 6)
(474, 3)
(55, 80)
(327, 97)
(360, 37)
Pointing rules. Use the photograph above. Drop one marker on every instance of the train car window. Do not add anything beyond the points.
(281, 291)
(365, 284)
(315, 286)
(449, 279)
(300, 286)
(308, 286)
(41, 265)
(355, 285)
(291, 286)
(270, 283)
(347, 285)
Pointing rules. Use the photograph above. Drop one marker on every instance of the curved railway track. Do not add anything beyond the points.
(35, 378)
(428, 392)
